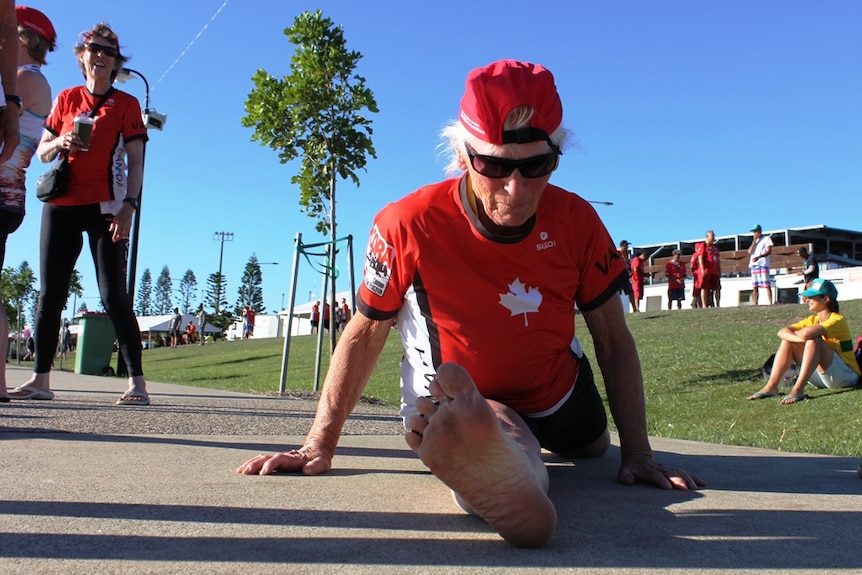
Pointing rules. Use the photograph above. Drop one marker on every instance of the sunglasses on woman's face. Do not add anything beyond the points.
(108, 51)
(496, 167)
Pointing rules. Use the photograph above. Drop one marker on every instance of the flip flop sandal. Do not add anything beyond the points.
(30, 392)
(761, 395)
(135, 398)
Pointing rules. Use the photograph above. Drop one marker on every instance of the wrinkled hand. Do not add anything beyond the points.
(71, 142)
(645, 469)
(121, 225)
(293, 460)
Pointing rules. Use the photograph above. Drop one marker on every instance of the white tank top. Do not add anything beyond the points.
(13, 172)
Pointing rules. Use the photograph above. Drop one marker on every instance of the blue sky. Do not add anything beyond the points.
(690, 115)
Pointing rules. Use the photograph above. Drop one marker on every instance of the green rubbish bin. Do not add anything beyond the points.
(95, 344)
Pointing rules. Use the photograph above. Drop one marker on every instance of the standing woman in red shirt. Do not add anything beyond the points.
(105, 179)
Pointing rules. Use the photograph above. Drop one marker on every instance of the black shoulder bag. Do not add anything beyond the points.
(53, 183)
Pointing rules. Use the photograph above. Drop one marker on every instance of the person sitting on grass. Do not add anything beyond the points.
(821, 345)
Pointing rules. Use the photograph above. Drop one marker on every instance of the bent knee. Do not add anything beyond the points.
(595, 449)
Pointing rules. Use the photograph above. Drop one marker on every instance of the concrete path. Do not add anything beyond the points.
(88, 487)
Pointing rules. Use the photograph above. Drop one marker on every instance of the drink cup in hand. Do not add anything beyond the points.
(84, 128)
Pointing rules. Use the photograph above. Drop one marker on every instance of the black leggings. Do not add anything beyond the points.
(62, 238)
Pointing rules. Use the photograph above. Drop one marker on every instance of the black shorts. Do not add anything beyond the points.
(579, 422)
(9, 222)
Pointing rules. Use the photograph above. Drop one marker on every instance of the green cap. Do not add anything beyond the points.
(820, 286)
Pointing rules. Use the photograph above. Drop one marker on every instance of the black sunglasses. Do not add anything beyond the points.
(496, 167)
(108, 51)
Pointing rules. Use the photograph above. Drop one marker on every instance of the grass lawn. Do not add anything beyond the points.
(699, 365)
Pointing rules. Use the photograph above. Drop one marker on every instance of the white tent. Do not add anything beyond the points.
(160, 323)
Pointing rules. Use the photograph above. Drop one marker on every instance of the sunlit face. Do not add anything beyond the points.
(817, 303)
(98, 64)
(512, 200)
(710, 237)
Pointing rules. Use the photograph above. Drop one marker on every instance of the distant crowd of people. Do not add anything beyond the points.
(342, 316)
(704, 268)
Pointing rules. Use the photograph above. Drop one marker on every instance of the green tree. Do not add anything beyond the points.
(214, 297)
(75, 288)
(188, 288)
(145, 294)
(162, 292)
(216, 284)
(250, 290)
(18, 289)
(316, 112)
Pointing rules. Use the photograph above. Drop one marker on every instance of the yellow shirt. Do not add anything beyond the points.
(837, 336)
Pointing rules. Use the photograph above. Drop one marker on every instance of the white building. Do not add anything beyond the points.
(838, 251)
(275, 325)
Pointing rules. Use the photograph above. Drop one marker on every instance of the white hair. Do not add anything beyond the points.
(454, 135)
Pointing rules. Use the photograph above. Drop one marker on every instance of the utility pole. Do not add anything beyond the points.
(222, 237)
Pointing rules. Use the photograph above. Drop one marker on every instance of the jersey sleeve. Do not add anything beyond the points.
(54, 121)
(133, 122)
(388, 266)
(602, 270)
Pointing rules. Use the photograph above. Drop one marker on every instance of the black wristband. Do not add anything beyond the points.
(15, 99)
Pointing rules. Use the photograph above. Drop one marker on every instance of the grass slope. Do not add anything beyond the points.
(699, 365)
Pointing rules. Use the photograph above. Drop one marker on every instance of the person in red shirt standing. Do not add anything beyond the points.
(638, 276)
(709, 267)
(675, 272)
(345, 314)
(626, 256)
(315, 317)
(249, 322)
(104, 180)
(482, 272)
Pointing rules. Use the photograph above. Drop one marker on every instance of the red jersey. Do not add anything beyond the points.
(711, 257)
(502, 307)
(638, 271)
(99, 174)
(675, 272)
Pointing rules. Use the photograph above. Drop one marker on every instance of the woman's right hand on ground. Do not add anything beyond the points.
(293, 460)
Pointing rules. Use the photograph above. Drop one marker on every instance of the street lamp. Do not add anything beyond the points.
(222, 237)
(152, 120)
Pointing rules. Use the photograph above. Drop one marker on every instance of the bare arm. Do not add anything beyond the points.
(620, 366)
(803, 334)
(8, 71)
(50, 146)
(349, 371)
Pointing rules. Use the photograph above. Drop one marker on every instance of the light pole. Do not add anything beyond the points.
(222, 237)
(152, 120)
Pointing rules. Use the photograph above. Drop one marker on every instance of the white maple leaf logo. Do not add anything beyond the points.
(521, 299)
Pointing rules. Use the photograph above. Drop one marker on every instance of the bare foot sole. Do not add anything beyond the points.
(463, 444)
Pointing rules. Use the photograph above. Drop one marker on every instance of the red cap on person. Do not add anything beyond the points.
(493, 91)
(36, 21)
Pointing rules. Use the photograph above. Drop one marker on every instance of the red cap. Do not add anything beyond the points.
(493, 91)
(36, 21)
